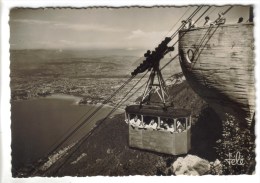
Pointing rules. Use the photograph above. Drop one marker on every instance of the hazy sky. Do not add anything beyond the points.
(101, 28)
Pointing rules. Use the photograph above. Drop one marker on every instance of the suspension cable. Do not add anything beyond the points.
(208, 14)
(191, 26)
(177, 21)
(94, 112)
(103, 103)
(106, 101)
(204, 37)
(89, 117)
(120, 102)
(144, 83)
(85, 137)
(190, 17)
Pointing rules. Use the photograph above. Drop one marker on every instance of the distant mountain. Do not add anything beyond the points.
(82, 62)
(42, 55)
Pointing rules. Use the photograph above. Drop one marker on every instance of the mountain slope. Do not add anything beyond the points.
(106, 151)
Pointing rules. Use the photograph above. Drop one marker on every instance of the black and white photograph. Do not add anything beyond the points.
(132, 90)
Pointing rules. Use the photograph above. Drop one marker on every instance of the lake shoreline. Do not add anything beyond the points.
(37, 123)
(76, 98)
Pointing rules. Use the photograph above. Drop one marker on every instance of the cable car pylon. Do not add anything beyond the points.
(155, 83)
(151, 63)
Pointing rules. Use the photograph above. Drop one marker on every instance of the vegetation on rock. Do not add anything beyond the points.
(236, 148)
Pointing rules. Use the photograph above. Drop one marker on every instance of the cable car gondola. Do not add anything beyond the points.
(174, 139)
(158, 126)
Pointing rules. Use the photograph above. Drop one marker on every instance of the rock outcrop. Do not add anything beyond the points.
(191, 165)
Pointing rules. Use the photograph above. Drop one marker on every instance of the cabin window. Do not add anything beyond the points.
(181, 124)
(150, 122)
(135, 120)
(167, 124)
(132, 116)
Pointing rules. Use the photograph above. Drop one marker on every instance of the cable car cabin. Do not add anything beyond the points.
(155, 129)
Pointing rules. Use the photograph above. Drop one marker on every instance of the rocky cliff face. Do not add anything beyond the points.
(218, 63)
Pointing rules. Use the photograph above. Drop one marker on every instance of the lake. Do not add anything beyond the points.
(39, 123)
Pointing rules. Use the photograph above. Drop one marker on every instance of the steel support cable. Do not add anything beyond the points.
(202, 48)
(140, 89)
(192, 24)
(94, 112)
(140, 68)
(85, 137)
(89, 117)
(225, 12)
(109, 99)
(121, 102)
(190, 17)
(135, 72)
(118, 105)
(175, 33)
(200, 18)
(69, 129)
(209, 13)
(204, 38)
(208, 30)
(144, 83)
(177, 21)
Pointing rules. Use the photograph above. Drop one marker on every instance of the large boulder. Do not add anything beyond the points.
(191, 165)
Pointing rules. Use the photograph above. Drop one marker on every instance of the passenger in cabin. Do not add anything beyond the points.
(144, 125)
(184, 22)
(135, 121)
(191, 24)
(171, 128)
(207, 21)
(240, 20)
(153, 124)
(166, 126)
(180, 127)
(163, 125)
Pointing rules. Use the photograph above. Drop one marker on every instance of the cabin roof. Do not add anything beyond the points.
(157, 111)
